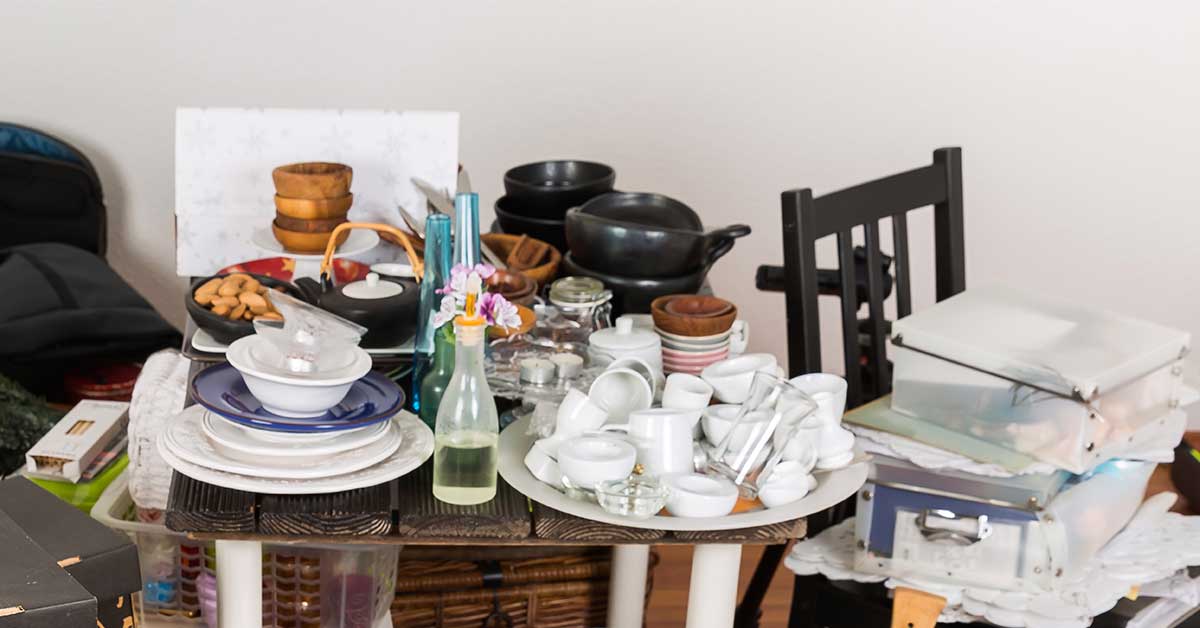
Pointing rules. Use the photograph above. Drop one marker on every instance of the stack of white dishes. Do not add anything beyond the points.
(260, 428)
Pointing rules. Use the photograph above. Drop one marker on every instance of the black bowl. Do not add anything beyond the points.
(632, 295)
(512, 220)
(547, 189)
(644, 235)
(220, 328)
(644, 208)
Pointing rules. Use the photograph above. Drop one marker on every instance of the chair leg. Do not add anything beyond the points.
(803, 613)
(750, 610)
(916, 609)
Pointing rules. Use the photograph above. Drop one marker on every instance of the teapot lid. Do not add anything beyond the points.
(624, 337)
(372, 288)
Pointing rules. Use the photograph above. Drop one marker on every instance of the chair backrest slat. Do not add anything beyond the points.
(900, 264)
(848, 278)
(950, 254)
(800, 270)
(896, 194)
(882, 378)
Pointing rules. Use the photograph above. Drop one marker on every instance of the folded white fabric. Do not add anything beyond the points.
(1150, 550)
(158, 395)
(1155, 442)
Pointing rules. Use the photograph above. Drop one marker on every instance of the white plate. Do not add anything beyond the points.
(185, 438)
(203, 341)
(832, 488)
(285, 445)
(359, 241)
(415, 449)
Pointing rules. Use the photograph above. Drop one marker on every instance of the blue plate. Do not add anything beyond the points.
(372, 399)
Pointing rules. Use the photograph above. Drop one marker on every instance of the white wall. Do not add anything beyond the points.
(1079, 121)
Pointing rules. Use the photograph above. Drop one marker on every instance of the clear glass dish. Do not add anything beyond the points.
(637, 497)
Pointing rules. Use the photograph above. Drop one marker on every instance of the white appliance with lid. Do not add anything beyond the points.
(1048, 378)
(626, 341)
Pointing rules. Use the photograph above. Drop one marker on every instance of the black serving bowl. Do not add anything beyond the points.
(644, 235)
(222, 329)
(512, 220)
(547, 189)
(632, 295)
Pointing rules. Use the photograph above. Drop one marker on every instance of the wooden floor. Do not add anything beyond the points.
(668, 601)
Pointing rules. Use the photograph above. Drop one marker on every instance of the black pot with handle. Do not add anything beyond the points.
(644, 235)
(387, 307)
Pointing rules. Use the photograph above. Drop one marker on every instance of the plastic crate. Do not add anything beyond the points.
(303, 586)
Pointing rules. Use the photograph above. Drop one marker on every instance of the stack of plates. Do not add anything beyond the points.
(228, 439)
(690, 354)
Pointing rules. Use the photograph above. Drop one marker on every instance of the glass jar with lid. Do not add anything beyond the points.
(578, 307)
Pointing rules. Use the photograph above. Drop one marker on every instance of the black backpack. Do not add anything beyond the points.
(49, 192)
(63, 305)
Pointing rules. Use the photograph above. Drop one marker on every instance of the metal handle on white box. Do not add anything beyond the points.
(944, 525)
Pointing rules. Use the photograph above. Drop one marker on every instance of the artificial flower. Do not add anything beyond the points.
(495, 309)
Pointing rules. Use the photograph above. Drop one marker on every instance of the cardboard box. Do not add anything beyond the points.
(63, 565)
(65, 452)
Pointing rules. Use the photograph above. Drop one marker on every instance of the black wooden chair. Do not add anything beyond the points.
(868, 374)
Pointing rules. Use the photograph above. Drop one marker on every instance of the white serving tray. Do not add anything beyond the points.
(832, 488)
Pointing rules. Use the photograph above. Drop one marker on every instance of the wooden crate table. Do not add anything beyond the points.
(404, 511)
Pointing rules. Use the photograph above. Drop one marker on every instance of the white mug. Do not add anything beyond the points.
(687, 392)
(731, 378)
(663, 438)
(828, 390)
(652, 375)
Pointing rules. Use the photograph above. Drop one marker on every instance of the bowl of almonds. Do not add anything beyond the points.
(225, 305)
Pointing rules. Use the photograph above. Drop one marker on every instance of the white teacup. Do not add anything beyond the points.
(621, 391)
(646, 369)
(739, 337)
(542, 465)
(828, 390)
(731, 378)
(717, 421)
(577, 414)
(686, 392)
(588, 460)
(663, 438)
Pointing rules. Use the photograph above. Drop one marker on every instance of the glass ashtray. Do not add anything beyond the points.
(636, 497)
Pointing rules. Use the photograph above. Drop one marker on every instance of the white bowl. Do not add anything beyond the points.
(731, 378)
(296, 396)
(588, 460)
(696, 495)
(717, 421)
(787, 483)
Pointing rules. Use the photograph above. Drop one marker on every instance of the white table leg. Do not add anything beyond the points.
(239, 584)
(712, 596)
(627, 586)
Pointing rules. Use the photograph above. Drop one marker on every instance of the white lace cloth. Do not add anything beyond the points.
(158, 395)
(1148, 553)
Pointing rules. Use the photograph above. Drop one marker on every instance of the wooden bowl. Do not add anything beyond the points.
(313, 208)
(312, 179)
(700, 305)
(517, 287)
(301, 242)
(688, 325)
(503, 243)
(324, 225)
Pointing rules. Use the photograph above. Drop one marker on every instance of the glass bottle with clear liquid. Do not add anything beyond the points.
(467, 433)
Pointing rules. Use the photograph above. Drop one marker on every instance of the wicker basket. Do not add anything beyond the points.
(561, 591)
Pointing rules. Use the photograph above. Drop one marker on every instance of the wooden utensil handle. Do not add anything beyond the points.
(413, 259)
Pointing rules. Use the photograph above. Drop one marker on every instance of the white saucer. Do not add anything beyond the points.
(185, 438)
(203, 341)
(415, 449)
(229, 437)
(359, 241)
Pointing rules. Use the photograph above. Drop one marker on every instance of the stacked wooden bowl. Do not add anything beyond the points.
(311, 199)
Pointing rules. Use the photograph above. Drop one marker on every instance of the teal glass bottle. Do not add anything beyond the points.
(438, 249)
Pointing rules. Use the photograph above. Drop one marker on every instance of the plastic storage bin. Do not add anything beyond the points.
(303, 586)
(1018, 533)
(1053, 380)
